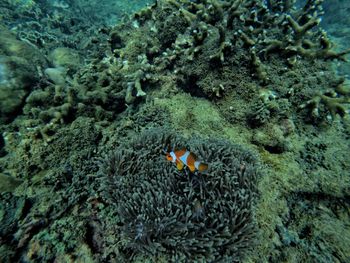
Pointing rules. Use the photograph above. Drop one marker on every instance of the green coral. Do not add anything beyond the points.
(335, 102)
(219, 50)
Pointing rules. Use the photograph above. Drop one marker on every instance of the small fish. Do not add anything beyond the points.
(184, 158)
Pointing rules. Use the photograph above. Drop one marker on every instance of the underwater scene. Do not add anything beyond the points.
(174, 131)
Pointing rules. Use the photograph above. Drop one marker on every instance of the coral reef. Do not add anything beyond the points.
(333, 102)
(20, 66)
(260, 74)
(225, 50)
(315, 237)
(194, 216)
(50, 196)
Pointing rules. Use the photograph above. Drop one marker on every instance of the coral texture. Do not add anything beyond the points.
(226, 51)
(199, 216)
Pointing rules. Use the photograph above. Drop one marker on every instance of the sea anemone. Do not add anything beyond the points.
(177, 213)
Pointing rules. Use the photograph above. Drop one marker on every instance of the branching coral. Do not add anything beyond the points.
(333, 102)
(206, 45)
(166, 211)
(303, 39)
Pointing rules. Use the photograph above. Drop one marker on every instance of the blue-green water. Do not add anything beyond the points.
(110, 112)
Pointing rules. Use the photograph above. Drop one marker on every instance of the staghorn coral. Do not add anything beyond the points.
(224, 51)
(335, 102)
(179, 214)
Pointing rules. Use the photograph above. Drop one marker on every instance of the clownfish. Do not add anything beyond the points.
(184, 158)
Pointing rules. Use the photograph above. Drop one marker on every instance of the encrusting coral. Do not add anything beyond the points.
(166, 211)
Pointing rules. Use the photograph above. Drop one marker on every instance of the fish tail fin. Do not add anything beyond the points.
(203, 167)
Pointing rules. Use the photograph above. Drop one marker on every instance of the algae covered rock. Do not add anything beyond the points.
(19, 63)
(8, 183)
(17, 77)
(66, 61)
(11, 46)
(164, 211)
(57, 75)
(64, 57)
(12, 209)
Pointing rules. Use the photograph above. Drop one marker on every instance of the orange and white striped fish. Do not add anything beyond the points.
(184, 158)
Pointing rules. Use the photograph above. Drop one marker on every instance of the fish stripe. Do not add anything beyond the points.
(183, 158)
(173, 155)
(196, 164)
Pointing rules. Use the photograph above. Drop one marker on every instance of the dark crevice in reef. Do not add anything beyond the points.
(310, 201)
(2, 146)
(190, 86)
